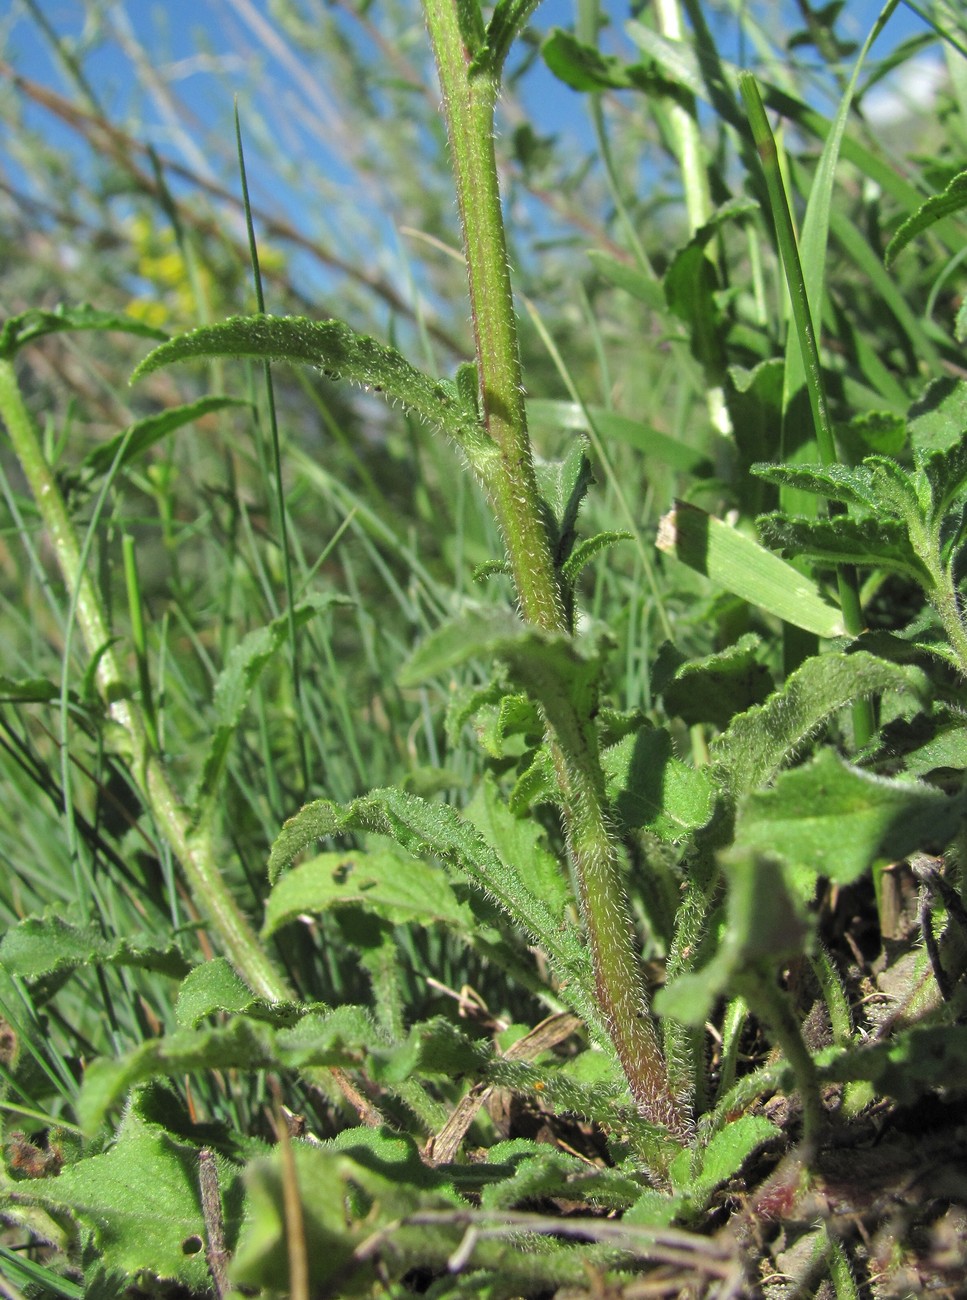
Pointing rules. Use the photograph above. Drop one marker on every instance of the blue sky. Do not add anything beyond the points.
(174, 36)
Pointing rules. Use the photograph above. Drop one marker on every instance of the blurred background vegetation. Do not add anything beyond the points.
(119, 186)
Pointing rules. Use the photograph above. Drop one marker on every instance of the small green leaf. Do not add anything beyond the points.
(141, 435)
(765, 926)
(243, 667)
(506, 22)
(586, 550)
(563, 485)
(139, 1204)
(645, 288)
(721, 1160)
(740, 565)
(341, 352)
(882, 431)
(937, 420)
(716, 688)
(869, 543)
(758, 742)
(851, 485)
(650, 789)
(827, 818)
(41, 946)
(548, 667)
(584, 68)
(215, 987)
(946, 473)
(338, 1037)
(953, 199)
(35, 324)
(387, 883)
(520, 840)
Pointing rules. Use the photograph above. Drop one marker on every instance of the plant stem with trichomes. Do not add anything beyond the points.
(469, 80)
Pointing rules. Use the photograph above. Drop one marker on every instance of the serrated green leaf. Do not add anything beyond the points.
(385, 882)
(35, 324)
(827, 818)
(740, 565)
(650, 789)
(952, 199)
(41, 946)
(341, 352)
(244, 665)
(851, 485)
(338, 1037)
(141, 435)
(215, 987)
(437, 830)
(946, 474)
(866, 543)
(882, 431)
(716, 688)
(758, 742)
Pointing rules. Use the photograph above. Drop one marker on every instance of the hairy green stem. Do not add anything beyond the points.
(195, 851)
(469, 82)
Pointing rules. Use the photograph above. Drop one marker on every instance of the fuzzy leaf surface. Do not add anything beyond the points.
(952, 199)
(337, 349)
(389, 884)
(650, 789)
(520, 840)
(714, 689)
(868, 543)
(758, 742)
(851, 485)
(946, 474)
(696, 1175)
(830, 819)
(44, 945)
(437, 830)
(339, 1037)
(215, 987)
(765, 926)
